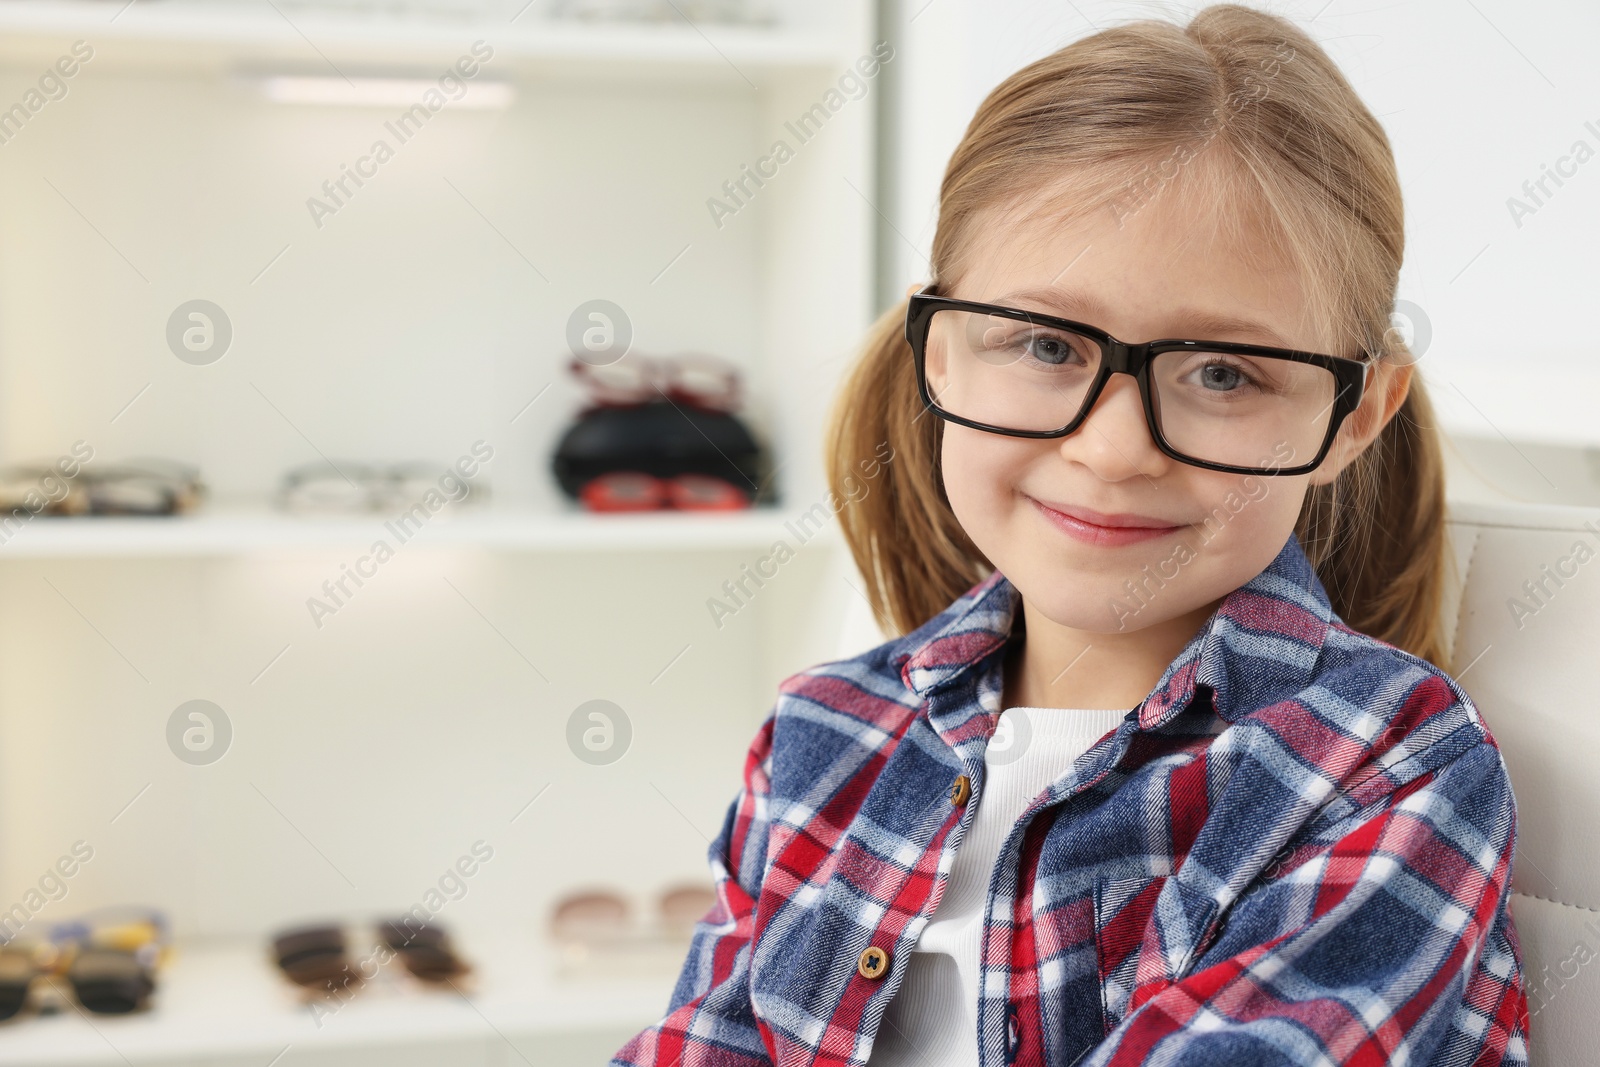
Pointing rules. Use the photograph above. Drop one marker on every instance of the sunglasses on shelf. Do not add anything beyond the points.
(107, 960)
(349, 486)
(425, 950)
(319, 957)
(144, 487)
(600, 918)
(356, 487)
(134, 487)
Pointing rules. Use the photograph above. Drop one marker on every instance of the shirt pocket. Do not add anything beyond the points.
(1148, 929)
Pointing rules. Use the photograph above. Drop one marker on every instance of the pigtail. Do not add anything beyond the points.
(1377, 535)
(906, 541)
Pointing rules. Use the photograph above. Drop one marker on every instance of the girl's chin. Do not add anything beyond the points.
(1091, 609)
(1099, 603)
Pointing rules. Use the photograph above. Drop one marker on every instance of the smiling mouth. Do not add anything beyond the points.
(1107, 530)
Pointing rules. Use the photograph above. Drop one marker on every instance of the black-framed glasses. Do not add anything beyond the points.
(1221, 405)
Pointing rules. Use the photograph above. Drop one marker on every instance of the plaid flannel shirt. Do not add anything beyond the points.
(1296, 850)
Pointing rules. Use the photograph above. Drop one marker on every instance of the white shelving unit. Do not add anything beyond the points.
(234, 531)
(222, 1004)
(212, 35)
(372, 745)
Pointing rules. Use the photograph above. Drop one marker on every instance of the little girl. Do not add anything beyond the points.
(1162, 770)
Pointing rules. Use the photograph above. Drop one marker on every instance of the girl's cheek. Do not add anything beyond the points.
(979, 470)
(1252, 514)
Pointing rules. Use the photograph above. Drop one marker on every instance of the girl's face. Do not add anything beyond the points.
(1161, 273)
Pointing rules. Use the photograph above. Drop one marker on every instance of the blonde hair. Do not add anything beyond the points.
(1273, 116)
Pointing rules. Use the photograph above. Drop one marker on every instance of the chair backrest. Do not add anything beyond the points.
(1526, 618)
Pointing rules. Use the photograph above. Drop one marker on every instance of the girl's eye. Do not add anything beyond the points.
(1220, 376)
(1025, 345)
(1050, 349)
(1223, 376)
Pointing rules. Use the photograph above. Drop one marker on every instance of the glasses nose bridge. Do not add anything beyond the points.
(1124, 358)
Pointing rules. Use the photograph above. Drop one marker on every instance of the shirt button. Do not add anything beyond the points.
(960, 790)
(874, 963)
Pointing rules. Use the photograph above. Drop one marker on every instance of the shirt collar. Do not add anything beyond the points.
(1260, 645)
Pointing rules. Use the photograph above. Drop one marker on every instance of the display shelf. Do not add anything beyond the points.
(229, 531)
(222, 1002)
(408, 325)
(192, 35)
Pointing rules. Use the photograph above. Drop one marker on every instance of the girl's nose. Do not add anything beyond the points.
(1114, 441)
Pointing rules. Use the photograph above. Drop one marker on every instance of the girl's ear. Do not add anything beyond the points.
(913, 287)
(1391, 381)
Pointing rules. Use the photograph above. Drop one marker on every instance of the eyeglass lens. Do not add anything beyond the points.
(1215, 407)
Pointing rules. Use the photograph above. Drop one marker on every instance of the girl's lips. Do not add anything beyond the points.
(1097, 528)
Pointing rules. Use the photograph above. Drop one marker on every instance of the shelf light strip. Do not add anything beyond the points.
(383, 92)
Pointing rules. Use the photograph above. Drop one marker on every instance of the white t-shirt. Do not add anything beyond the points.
(933, 1019)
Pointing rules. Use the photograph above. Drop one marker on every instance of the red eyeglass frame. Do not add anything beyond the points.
(639, 379)
(638, 491)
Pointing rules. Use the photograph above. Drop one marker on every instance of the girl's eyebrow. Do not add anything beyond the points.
(1193, 323)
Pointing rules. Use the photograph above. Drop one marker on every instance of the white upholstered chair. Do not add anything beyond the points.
(1527, 627)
